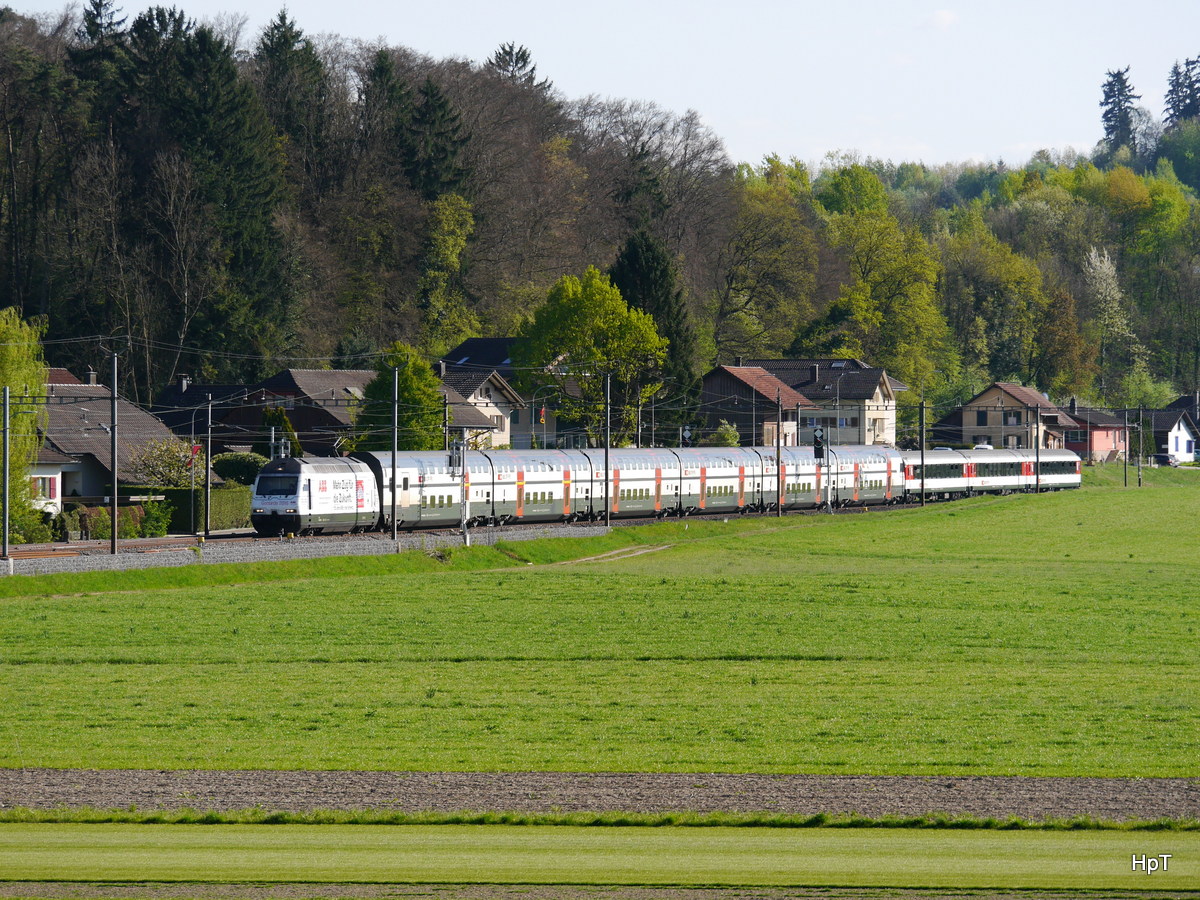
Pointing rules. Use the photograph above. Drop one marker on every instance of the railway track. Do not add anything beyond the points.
(187, 542)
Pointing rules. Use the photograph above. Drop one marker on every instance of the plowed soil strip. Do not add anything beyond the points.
(1036, 799)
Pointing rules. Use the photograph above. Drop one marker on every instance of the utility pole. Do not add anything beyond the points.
(446, 423)
(395, 442)
(207, 469)
(1126, 454)
(6, 452)
(779, 452)
(922, 450)
(1037, 451)
(113, 455)
(607, 444)
(1141, 442)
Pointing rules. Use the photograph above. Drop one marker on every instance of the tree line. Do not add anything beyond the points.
(229, 203)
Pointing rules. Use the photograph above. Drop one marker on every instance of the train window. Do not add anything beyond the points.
(423, 502)
(404, 484)
(276, 485)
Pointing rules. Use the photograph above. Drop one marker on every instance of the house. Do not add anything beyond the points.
(489, 393)
(1173, 431)
(321, 405)
(1097, 434)
(753, 400)
(1006, 415)
(857, 401)
(79, 427)
(486, 354)
(46, 477)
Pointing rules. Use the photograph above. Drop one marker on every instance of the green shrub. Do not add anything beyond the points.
(156, 519)
(238, 467)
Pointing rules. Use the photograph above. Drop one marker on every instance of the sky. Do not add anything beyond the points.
(905, 80)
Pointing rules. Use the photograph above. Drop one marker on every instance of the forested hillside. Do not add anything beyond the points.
(228, 208)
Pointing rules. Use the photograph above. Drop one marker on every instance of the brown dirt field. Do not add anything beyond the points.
(141, 891)
(1112, 799)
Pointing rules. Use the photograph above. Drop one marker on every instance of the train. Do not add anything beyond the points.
(358, 493)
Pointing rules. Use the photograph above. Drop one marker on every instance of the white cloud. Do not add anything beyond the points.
(945, 19)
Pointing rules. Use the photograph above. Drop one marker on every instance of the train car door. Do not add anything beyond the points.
(703, 486)
(658, 489)
(615, 500)
(781, 485)
(857, 481)
(741, 487)
(520, 493)
(888, 484)
(566, 490)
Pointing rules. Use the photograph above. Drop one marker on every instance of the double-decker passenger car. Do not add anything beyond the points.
(432, 490)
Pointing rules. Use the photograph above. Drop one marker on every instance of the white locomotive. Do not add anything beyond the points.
(310, 496)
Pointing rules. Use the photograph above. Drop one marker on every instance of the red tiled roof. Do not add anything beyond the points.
(768, 386)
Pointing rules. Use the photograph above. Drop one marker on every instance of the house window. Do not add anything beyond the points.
(1012, 418)
(44, 488)
(981, 417)
(1076, 437)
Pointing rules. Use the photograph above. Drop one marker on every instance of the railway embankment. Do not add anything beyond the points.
(94, 557)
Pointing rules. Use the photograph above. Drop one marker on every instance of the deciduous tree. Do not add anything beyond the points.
(583, 333)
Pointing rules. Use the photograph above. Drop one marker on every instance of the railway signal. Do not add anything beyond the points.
(818, 443)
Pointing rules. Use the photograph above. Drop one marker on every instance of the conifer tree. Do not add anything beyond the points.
(435, 143)
(646, 277)
(1183, 93)
(1118, 110)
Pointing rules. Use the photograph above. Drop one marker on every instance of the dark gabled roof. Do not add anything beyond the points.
(48, 456)
(345, 385)
(179, 408)
(77, 416)
(1159, 420)
(464, 414)
(767, 386)
(827, 379)
(1089, 417)
(483, 353)
(467, 380)
(60, 376)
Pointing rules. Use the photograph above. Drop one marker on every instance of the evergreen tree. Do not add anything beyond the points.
(647, 279)
(294, 92)
(515, 63)
(385, 109)
(1118, 110)
(446, 321)
(1183, 93)
(435, 142)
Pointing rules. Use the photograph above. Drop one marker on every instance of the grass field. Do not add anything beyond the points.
(602, 856)
(1041, 635)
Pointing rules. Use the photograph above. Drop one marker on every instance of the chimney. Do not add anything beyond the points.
(91, 376)
(739, 361)
(441, 368)
(1073, 407)
(184, 382)
(816, 373)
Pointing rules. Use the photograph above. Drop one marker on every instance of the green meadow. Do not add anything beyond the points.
(1007, 860)
(1032, 635)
